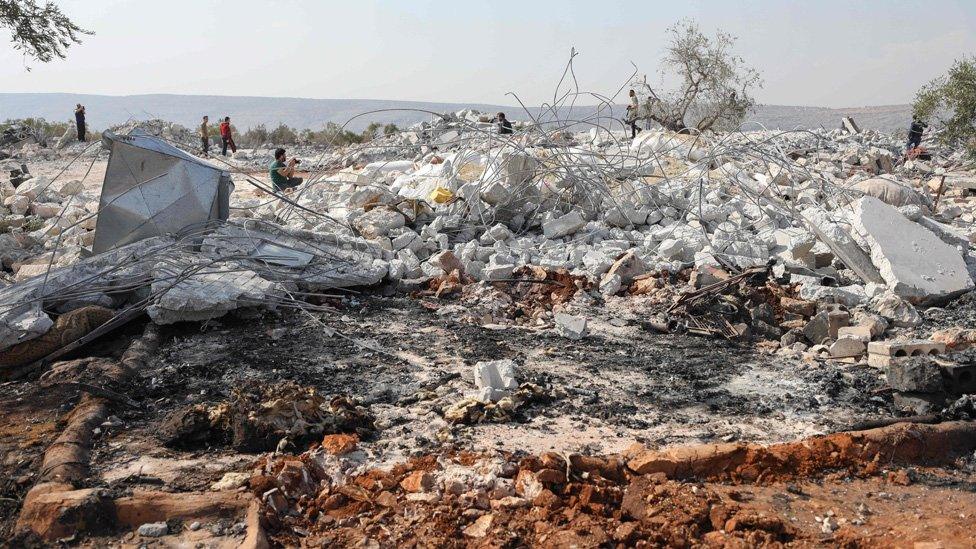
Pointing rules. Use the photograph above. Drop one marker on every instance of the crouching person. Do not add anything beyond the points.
(283, 172)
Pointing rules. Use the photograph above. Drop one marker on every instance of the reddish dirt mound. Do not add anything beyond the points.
(581, 501)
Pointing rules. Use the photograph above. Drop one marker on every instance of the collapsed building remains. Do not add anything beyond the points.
(823, 246)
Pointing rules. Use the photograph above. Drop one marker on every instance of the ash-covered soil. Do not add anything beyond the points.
(405, 364)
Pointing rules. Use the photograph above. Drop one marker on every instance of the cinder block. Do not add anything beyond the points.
(960, 378)
(912, 347)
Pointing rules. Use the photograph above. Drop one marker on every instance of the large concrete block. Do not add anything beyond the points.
(918, 375)
(915, 263)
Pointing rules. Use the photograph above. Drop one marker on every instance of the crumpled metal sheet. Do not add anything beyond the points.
(151, 188)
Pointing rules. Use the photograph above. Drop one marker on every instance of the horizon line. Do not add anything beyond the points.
(758, 104)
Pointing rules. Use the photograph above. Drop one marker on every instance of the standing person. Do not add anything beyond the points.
(283, 174)
(80, 121)
(504, 126)
(632, 111)
(205, 136)
(226, 138)
(915, 133)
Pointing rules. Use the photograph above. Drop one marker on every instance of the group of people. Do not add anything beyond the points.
(282, 169)
(226, 139)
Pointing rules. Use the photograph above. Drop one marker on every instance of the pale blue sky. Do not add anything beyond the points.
(826, 53)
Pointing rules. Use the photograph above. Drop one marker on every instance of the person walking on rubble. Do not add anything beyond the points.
(632, 111)
(205, 136)
(504, 126)
(80, 121)
(226, 138)
(915, 133)
(282, 173)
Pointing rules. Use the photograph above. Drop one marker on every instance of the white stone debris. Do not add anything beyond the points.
(840, 215)
(847, 346)
(23, 324)
(154, 529)
(564, 225)
(495, 379)
(897, 310)
(570, 326)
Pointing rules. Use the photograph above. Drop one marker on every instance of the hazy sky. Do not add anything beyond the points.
(826, 53)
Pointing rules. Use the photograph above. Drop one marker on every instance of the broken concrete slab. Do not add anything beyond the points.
(916, 264)
(848, 124)
(210, 293)
(564, 225)
(570, 326)
(493, 272)
(875, 323)
(890, 191)
(860, 333)
(847, 346)
(610, 285)
(839, 241)
(900, 312)
(22, 324)
(378, 222)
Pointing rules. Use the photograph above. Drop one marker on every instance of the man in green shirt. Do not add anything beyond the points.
(205, 137)
(283, 174)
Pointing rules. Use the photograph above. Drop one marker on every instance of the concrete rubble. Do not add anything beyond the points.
(495, 379)
(570, 326)
(514, 261)
(607, 209)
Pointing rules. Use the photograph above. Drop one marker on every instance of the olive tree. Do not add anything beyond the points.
(714, 84)
(42, 32)
(950, 102)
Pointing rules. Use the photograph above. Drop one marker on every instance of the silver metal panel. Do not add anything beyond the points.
(152, 188)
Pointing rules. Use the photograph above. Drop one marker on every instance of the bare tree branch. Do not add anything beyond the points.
(714, 84)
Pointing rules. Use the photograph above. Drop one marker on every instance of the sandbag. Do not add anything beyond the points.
(67, 329)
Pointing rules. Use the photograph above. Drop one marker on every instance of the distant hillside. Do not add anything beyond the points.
(105, 111)
(887, 118)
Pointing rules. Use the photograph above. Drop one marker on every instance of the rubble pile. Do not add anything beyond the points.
(326, 496)
(43, 223)
(581, 201)
(825, 247)
(520, 227)
(173, 133)
(262, 418)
